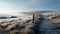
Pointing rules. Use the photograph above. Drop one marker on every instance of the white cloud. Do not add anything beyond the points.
(6, 8)
(9, 7)
(29, 6)
(22, 7)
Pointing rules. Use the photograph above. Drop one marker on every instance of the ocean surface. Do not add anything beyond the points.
(18, 17)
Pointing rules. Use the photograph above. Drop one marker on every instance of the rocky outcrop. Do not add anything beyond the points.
(23, 26)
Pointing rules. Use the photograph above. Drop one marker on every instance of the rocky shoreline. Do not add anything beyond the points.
(23, 26)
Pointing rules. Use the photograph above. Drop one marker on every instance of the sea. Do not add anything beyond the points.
(18, 17)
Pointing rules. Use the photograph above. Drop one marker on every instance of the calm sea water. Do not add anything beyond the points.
(18, 17)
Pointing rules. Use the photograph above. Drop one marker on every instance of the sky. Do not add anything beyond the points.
(10, 6)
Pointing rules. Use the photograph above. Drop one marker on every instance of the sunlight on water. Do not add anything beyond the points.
(18, 17)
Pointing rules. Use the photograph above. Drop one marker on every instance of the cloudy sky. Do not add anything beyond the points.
(10, 6)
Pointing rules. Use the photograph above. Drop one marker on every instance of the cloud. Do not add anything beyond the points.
(12, 8)
(24, 6)
(6, 7)
(28, 6)
(40, 5)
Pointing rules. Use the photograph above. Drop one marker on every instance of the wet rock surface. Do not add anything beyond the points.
(48, 26)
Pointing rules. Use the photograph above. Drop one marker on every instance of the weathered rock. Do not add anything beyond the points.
(26, 31)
